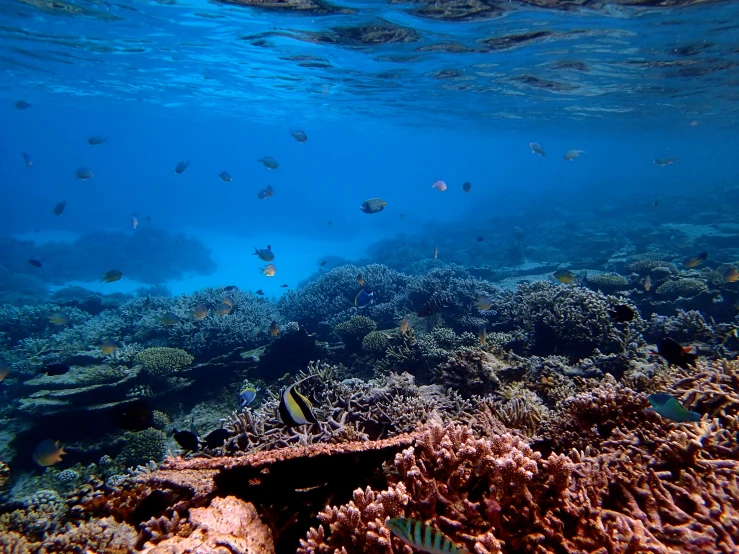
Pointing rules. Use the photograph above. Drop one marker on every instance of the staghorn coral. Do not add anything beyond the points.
(681, 288)
(142, 446)
(712, 389)
(162, 361)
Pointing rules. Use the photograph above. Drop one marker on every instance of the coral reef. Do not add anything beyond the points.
(162, 361)
(142, 446)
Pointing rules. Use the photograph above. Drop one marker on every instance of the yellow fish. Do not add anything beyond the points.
(483, 336)
(4, 370)
(647, 283)
(360, 280)
(483, 302)
(295, 409)
(565, 276)
(223, 309)
(269, 270)
(111, 276)
(199, 312)
(58, 318)
(274, 329)
(108, 346)
(404, 325)
(228, 300)
(48, 453)
(695, 261)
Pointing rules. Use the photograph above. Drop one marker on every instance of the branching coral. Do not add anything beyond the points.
(685, 288)
(162, 361)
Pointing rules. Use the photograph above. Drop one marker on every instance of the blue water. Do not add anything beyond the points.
(185, 81)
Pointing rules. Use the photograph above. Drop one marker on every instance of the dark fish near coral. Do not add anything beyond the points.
(199, 312)
(59, 208)
(480, 239)
(360, 279)
(247, 396)
(572, 154)
(27, 159)
(225, 176)
(4, 370)
(695, 261)
(669, 408)
(537, 149)
(48, 453)
(373, 205)
(58, 318)
(284, 286)
(134, 416)
(187, 440)
(467, 187)
(621, 313)
(169, 318)
(675, 353)
(269, 163)
(147, 304)
(54, 370)
(295, 409)
(264, 254)
(230, 288)
(274, 328)
(323, 263)
(35, 263)
(565, 276)
(22, 105)
(266, 192)
(300, 136)
(433, 306)
(181, 166)
(664, 160)
(364, 298)
(108, 346)
(111, 276)
(215, 439)
(404, 324)
(260, 292)
(96, 140)
(83, 174)
(223, 309)
(422, 537)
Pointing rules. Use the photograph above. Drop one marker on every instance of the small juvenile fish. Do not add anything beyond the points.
(439, 185)
(22, 105)
(265, 254)
(483, 336)
(111, 276)
(27, 159)
(422, 536)
(225, 176)
(300, 136)
(436, 253)
(537, 149)
(147, 304)
(83, 174)
(572, 154)
(269, 270)
(35, 263)
(284, 286)
(668, 407)
(269, 163)
(467, 187)
(360, 280)
(169, 318)
(96, 140)
(664, 160)
(565, 276)
(274, 328)
(373, 205)
(48, 453)
(695, 261)
(134, 221)
(647, 283)
(404, 324)
(59, 208)
(181, 166)
(4, 370)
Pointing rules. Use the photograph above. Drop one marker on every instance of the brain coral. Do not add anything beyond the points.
(681, 287)
(642, 267)
(162, 361)
(375, 343)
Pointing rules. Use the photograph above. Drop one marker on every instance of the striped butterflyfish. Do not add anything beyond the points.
(295, 409)
(422, 537)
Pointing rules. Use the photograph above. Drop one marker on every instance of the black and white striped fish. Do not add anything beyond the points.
(422, 537)
(295, 409)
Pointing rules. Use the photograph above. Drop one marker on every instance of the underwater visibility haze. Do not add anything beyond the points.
(369, 277)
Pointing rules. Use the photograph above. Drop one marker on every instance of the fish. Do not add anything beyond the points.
(223, 309)
(199, 312)
(269, 163)
(181, 166)
(664, 160)
(668, 407)
(730, 274)
(675, 354)
(364, 298)
(265, 254)
(483, 336)
(260, 292)
(134, 416)
(27, 159)
(96, 140)
(230, 287)
(655, 204)
(323, 263)
(147, 304)
(480, 239)
(537, 149)
(247, 396)
(187, 440)
(22, 105)
(54, 370)
(108, 346)
(373, 205)
(274, 328)
(572, 154)
(134, 221)
(695, 261)
(432, 306)
(266, 192)
(467, 187)
(48, 453)
(169, 318)
(402, 216)
(269, 270)
(622, 313)
(225, 176)
(647, 283)
(295, 409)
(439, 185)
(404, 324)
(300, 136)
(436, 253)
(59, 208)
(111, 276)
(360, 279)
(83, 174)
(229, 301)
(422, 537)
(215, 439)
(284, 286)
(58, 318)
(329, 223)
(565, 276)
(4, 370)
(35, 263)
(483, 302)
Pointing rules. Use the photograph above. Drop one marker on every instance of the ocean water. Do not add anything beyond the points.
(393, 96)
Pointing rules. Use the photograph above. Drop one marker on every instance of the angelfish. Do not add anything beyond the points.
(422, 536)
(668, 407)
(295, 409)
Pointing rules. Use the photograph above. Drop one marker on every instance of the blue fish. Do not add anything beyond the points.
(422, 537)
(669, 408)
(364, 298)
(247, 396)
